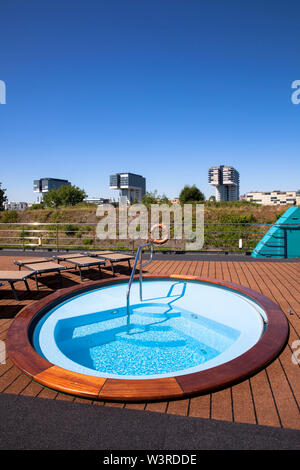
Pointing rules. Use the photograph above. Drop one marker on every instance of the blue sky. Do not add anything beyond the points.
(162, 88)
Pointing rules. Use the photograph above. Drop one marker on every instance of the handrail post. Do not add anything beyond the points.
(23, 240)
(56, 227)
(141, 273)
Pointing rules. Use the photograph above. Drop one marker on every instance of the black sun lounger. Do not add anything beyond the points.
(113, 257)
(68, 256)
(97, 253)
(85, 262)
(15, 276)
(43, 267)
(21, 262)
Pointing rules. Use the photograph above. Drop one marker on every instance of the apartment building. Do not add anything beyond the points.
(274, 198)
(17, 206)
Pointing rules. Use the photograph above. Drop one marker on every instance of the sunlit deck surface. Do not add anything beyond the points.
(271, 397)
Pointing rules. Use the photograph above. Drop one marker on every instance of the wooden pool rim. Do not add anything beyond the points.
(25, 357)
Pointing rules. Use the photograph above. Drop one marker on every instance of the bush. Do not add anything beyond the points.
(235, 218)
(10, 216)
(231, 204)
(87, 241)
(55, 216)
(71, 230)
(24, 234)
(36, 206)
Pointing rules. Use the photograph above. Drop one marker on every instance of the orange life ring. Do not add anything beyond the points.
(156, 241)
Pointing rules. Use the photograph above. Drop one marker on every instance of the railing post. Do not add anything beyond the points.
(56, 227)
(141, 274)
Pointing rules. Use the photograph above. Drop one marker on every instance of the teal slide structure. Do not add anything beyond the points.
(282, 240)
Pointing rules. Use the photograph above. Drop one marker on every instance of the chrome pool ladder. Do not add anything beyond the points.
(138, 257)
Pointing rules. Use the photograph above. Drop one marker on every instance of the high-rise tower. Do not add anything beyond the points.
(226, 179)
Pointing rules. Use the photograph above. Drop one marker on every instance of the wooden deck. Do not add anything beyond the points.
(270, 397)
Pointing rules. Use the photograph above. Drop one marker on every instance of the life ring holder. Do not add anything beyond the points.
(155, 240)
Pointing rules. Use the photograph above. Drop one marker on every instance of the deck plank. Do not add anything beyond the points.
(200, 406)
(243, 406)
(32, 389)
(221, 405)
(158, 406)
(178, 407)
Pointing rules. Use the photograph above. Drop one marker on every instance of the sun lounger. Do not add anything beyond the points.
(15, 276)
(85, 262)
(68, 256)
(21, 262)
(43, 267)
(113, 257)
(97, 253)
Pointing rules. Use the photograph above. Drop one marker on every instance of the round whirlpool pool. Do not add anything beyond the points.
(186, 336)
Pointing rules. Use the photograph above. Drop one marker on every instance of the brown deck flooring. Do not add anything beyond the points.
(270, 397)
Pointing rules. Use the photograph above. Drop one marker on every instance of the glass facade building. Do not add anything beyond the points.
(44, 185)
(131, 187)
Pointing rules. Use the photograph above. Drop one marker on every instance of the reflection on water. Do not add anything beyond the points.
(162, 338)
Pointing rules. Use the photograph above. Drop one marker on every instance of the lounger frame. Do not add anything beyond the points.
(85, 264)
(11, 281)
(113, 260)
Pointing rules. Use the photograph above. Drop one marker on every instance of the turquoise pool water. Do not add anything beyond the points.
(180, 327)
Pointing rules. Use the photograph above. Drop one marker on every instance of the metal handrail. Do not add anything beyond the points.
(55, 235)
(138, 256)
(171, 223)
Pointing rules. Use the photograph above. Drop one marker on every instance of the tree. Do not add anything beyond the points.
(51, 198)
(3, 197)
(66, 195)
(150, 198)
(164, 199)
(154, 198)
(190, 194)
